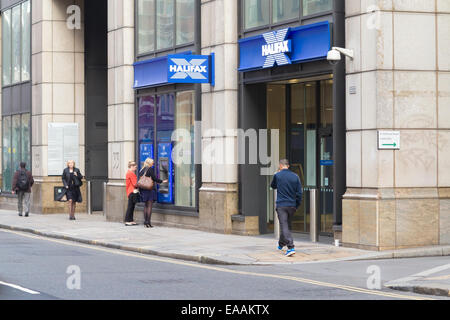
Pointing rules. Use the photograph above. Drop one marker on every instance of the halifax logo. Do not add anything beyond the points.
(276, 48)
(188, 69)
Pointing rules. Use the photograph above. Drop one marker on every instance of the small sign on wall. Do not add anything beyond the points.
(63, 145)
(388, 140)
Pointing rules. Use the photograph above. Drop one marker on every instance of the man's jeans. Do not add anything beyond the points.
(24, 202)
(285, 215)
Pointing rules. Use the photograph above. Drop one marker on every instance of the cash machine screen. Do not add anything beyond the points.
(165, 169)
(164, 174)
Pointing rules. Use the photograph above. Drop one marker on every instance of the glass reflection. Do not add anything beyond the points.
(285, 10)
(164, 23)
(316, 6)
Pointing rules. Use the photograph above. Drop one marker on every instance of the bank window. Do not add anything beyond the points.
(285, 10)
(6, 45)
(160, 116)
(16, 44)
(260, 13)
(165, 24)
(185, 17)
(16, 146)
(146, 25)
(26, 40)
(311, 7)
(256, 13)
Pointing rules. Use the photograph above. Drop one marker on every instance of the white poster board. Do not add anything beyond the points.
(63, 145)
(389, 140)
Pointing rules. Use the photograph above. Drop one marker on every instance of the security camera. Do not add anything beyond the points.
(334, 55)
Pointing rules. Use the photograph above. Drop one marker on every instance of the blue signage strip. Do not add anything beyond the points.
(177, 68)
(146, 151)
(150, 73)
(286, 46)
(326, 163)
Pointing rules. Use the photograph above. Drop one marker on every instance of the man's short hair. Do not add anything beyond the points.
(284, 162)
(23, 165)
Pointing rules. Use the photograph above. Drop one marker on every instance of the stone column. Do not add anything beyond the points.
(121, 104)
(1, 93)
(57, 92)
(401, 73)
(218, 193)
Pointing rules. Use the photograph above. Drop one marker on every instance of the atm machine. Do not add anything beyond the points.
(165, 169)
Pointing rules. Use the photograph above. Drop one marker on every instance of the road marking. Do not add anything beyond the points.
(19, 288)
(423, 274)
(439, 278)
(224, 270)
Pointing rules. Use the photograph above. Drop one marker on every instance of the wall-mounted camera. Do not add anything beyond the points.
(334, 55)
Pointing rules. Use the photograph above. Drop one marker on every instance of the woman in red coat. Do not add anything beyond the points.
(132, 193)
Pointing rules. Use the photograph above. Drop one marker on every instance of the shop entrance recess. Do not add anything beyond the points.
(302, 111)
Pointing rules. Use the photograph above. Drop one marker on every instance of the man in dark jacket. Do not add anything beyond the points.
(289, 198)
(22, 183)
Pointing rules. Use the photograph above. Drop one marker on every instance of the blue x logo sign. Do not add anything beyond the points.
(276, 48)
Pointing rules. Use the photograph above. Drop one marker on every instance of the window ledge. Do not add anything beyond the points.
(8, 195)
(169, 211)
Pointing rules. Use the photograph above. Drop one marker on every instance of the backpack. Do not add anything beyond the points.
(22, 182)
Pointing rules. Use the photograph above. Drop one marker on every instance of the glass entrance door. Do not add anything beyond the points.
(302, 139)
(303, 112)
(276, 120)
(326, 182)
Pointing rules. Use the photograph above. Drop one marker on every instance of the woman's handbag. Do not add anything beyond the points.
(135, 198)
(145, 182)
(77, 181)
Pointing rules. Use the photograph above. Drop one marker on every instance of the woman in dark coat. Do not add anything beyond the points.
(149, 196)
(71, 178)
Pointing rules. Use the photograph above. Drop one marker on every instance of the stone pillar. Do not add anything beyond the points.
(218, 193)
(57, 92)
(121, 104)
(401, 72)
(1, 94)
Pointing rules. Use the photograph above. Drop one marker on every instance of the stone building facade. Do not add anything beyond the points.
(328, 115)
(397, 199)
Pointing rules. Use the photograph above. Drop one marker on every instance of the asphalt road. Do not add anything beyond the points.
(37, 268)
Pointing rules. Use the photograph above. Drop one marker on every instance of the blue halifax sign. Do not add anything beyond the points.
(189, 69)
(276, 48)
(176, 68)
(286, 46)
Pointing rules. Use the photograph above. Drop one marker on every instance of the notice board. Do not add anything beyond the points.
(63, 145)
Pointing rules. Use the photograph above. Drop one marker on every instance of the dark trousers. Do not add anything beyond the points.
(285, 215)
(131, 205)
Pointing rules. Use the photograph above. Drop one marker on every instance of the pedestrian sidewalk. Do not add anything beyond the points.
(192, 245)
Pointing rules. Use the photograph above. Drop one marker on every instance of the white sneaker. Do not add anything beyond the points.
(290, 252)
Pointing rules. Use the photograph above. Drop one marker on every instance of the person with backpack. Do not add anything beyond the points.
(22, 183)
